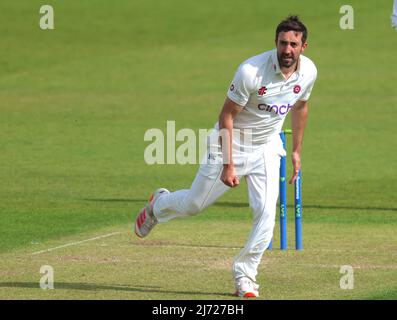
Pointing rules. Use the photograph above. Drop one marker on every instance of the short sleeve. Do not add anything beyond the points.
(242, 86)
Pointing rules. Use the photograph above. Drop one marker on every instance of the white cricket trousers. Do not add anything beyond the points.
(394, 15)
(261, 171)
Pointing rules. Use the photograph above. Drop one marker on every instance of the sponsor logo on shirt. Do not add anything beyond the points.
(232, 87)
(281, 110)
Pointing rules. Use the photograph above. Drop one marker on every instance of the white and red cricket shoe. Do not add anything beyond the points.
(145, 221)
(246, 288)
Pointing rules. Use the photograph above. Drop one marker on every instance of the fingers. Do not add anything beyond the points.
(232, 182)
(294, 176)
(236, 181)
(296, 163)
(229, 177)
(229, 183)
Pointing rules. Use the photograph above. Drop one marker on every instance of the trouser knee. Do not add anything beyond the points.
(191, 207)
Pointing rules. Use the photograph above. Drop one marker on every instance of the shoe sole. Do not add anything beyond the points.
(136, 224)
(246, 295)
(137, 233)
(250, 295)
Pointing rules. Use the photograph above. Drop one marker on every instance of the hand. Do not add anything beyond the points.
(229, 177)
(296, 163)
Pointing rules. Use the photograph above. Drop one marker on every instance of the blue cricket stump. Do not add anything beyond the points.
(298, 212)
(283, 204)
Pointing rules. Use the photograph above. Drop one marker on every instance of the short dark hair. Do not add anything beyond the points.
(292, 23)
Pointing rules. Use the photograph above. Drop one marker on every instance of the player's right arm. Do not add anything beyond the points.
(229, 111)
(242, 86)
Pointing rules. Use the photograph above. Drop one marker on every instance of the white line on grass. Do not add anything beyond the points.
(76, 243)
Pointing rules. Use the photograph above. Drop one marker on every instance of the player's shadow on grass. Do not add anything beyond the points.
(228, 204)
(117, 200)
(96, 287)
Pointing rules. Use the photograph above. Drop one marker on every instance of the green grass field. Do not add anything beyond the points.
(75, 104)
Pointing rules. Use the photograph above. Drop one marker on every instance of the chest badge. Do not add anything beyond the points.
(262, 91)
(297, 89)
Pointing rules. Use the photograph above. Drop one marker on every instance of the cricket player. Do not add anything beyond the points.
(394, 15)
(246, 143)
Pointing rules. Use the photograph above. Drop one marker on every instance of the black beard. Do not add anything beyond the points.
(284, 65)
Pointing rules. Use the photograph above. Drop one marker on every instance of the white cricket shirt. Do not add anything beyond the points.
(266, 97)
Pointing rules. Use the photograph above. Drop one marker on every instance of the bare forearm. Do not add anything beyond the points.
(298, 122)
(229, 111)
(226, 136)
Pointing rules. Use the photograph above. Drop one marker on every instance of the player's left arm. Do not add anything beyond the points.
(299, 114)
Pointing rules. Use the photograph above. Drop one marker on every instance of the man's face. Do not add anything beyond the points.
(289, 47)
